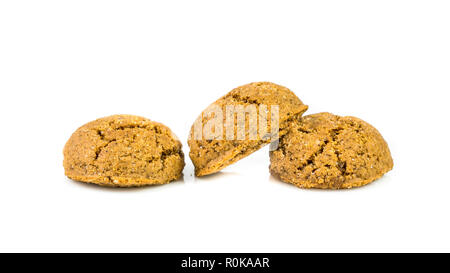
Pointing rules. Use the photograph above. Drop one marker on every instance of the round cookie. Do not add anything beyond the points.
(330, 152)
(123, 151)
(212, 155)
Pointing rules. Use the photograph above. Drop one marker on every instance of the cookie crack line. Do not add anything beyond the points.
(99, 149)
(311, 160)
(101, 134)
(281, 146)
(113, 124)
(246, 99)
(341, 165)
(134, 126)
(165, 154)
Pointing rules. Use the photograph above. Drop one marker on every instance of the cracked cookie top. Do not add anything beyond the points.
(328, 151)
(212, 155)
(123, 150)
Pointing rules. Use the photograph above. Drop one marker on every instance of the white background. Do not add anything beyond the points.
(64, 63)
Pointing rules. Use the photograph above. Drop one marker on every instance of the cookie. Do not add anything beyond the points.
(330, 152)
(274, 103)
(123, 151)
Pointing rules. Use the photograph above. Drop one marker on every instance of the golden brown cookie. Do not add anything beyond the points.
(330, 152)
(123, 151)
(212, 155)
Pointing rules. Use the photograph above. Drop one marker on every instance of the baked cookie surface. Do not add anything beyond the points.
(330, 152)
(123, 151)
(212, 155)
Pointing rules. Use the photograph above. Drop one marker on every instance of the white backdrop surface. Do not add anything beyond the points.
(64, 63)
